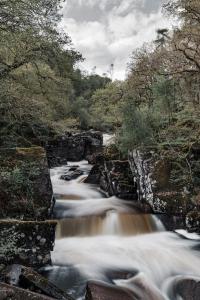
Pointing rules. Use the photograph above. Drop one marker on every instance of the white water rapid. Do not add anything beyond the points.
(97, 236)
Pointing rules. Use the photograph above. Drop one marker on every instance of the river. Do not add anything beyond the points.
(100, 238)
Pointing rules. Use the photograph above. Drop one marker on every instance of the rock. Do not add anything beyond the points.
(188, 289)
(117, 180)
(73, 147)
(25, 185)
(183, 287)
(102, 291)
(170, 183)
(27, 278)
(156, 184)
(172, 222)
(26, 242)
(72, 172)
(94, 175)
(193, 221)
(8, 292)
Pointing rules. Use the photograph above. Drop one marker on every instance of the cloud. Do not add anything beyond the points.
(107, 31)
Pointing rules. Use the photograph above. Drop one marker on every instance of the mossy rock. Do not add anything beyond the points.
(25, 185)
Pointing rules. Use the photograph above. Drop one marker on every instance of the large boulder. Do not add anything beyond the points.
(103, 291)
(73, 147)
(25, 185)
(29, 243)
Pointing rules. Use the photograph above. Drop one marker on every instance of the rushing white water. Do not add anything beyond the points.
(96, 235)
(73, 189)
(158, 255)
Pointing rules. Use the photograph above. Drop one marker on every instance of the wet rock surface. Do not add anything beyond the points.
(72, 172)
(73, 147)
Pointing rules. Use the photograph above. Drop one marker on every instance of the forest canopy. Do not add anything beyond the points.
(41, 84)
(43, 92)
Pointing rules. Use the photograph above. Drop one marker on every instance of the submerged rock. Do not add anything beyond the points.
(72, 172)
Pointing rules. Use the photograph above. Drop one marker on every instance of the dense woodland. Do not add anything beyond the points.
(43, 92)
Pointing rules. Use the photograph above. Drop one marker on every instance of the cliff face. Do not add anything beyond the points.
(26, 203)
(169, 183)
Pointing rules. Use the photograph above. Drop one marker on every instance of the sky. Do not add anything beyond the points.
(107, 31)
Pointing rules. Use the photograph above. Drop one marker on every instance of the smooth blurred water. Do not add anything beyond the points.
(98, 236)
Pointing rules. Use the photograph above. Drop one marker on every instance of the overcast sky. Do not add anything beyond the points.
(107, 31)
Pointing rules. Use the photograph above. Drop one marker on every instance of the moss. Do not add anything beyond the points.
(32, 152)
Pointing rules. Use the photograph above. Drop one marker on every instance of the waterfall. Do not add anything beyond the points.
(97, 235)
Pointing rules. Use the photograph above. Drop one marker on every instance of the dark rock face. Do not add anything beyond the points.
(25, 185)
(117, 180)
(28, 243)
(193, 221)
(73, 147)
(102, 291)
(169, 184)
(94, 175)
(15, 293)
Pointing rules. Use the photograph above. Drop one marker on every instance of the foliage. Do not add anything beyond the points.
(162, 91)
(105, 107)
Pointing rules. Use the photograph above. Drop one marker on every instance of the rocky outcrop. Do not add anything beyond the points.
(169, 183)
(26, 203)
(73, 147)
(114, 177)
